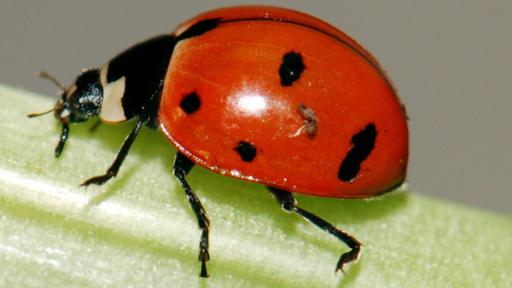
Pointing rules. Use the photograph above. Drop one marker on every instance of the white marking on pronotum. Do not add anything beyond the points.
(113, 92)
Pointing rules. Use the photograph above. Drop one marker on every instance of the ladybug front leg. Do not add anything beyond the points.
(114, 168)
(182, 166)
(288, 203)
(62, 140)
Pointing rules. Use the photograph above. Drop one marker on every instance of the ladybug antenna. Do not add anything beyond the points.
(32, 115)
(44, 74)
(58, 107)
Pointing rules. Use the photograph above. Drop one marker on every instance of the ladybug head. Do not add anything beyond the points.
(82, 99)
(78, 102)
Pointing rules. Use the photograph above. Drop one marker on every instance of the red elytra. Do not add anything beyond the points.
(233, 69)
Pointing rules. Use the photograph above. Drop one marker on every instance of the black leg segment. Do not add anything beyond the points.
(62, 140)
(182, 166)
(95, 126)
(288, 203)
(114, 168)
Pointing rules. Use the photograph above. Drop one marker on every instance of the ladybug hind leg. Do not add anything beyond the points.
(289, 204)
(182, 166)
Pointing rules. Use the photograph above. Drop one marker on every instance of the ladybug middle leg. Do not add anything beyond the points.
(182, 166)
(288, 203)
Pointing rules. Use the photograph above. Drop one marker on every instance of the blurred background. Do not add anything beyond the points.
(449, 60)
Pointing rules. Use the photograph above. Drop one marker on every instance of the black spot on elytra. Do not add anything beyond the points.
(190, 103)
(246, 150)
(363, 143)
(291, 68)
(199, 28)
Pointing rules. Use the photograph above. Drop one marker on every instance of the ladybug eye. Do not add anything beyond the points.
(363, 143)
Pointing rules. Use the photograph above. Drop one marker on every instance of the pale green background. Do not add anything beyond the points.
(450, 61)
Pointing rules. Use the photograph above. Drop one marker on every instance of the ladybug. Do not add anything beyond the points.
(264, 94)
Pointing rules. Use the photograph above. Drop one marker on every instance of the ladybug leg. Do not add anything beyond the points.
(95, 126)
(114, 168)
(288, 203)
(182, 166)
(62, 140)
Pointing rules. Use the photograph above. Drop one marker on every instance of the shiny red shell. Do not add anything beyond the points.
(233, 69)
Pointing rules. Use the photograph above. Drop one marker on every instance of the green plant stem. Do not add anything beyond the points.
(138, 229)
